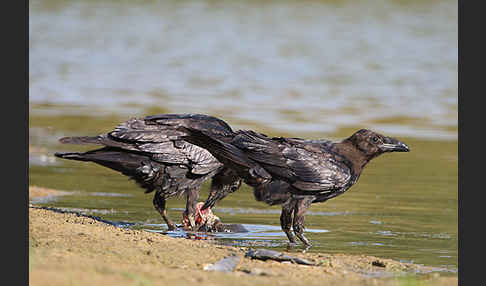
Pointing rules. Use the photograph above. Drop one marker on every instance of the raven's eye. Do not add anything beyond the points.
(375, 139)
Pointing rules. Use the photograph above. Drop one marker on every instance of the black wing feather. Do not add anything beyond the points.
(161, 142)
(291, 161)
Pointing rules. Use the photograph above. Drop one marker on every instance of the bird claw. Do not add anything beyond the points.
(192, 223)
(290, 236)
(171, 226)
(304, 240)
(306, 247)
(291, 245)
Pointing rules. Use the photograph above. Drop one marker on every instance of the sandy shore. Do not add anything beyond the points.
(68, 249)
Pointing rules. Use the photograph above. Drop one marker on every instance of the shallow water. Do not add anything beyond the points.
(315, 69)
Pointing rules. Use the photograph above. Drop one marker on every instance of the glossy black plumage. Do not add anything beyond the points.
(293, 172)
(159, 160)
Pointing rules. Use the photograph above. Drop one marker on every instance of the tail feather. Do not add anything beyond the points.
(72, 156)
(108, 157)
(82, 140)
(135, 166)
(104, 140)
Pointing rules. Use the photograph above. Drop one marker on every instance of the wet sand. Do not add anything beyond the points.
(68, 249)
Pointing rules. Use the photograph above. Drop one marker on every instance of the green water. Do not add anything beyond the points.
(404, 206)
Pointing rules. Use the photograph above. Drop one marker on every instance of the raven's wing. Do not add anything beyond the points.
(200, 122)
(165, 143)
(306, 169)
(162, 143)
(186, 125)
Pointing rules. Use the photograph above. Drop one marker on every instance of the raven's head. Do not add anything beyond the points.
(373, 144)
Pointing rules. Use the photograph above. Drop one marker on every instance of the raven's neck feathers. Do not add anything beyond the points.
(357, 157)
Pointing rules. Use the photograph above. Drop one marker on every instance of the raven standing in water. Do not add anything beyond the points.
(158, 159)
(293, 172)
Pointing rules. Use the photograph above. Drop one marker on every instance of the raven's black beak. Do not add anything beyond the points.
(393, 145)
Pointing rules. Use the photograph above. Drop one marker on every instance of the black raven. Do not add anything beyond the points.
(158, 159)
(293, 172)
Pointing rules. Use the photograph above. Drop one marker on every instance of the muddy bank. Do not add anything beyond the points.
(68, 249)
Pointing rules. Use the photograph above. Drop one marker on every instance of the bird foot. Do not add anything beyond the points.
(291, 245)
(192, 223)
(171, 226)
(304, 240)
(306, 247)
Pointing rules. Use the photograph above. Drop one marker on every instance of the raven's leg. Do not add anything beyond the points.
(191, 200)
(286, 219)
(301, 207)
(159, 204)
